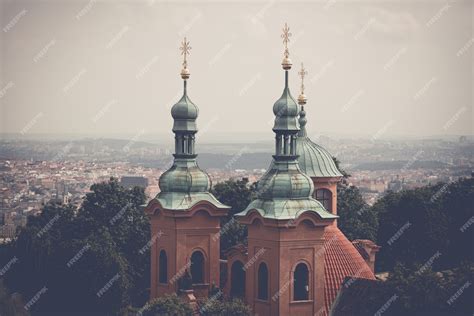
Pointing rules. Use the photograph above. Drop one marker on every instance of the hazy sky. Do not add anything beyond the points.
(376, 68)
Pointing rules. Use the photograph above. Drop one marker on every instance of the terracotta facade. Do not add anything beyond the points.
(282, 246)
(180, 234)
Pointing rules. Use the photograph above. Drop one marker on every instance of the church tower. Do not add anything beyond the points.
(342, 258)
(285, 267)
(315, 161)
(185, 216)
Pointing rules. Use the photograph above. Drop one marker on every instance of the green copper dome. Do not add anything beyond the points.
(286, 110)
(314, 160)
(184, 113)
(184, 176)
(286, 181)
(184, 185)
(284, 193)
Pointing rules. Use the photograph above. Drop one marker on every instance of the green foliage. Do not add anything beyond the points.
(420, 291)
(237, 194)
(338, 166)
(91, 260)
(356, 219)
(416, 224)
(169, 305)
(215, 307)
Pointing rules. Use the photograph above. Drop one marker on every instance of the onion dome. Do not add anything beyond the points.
(284, 192)
(314, 160)
(285, 181)
(184, 113)
(286, 110)
(184, 176)
(341, 260)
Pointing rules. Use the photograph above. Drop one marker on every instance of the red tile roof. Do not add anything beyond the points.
(341, 260)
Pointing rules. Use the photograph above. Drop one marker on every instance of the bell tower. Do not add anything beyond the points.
(184, 216)
(315, 161)
(285, 265)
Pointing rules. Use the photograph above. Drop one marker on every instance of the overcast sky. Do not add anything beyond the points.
(102, 68)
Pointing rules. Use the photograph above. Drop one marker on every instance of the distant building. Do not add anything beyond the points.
(134, 181)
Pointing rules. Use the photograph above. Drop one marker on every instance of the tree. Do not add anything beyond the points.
(215, 307)
(120, 211)
(169, 305)
(236, 194)
(92, 260)
(356, 219)
(338, 166)
(421, 291)
(414, 225)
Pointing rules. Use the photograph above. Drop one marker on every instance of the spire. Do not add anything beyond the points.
(302, 101)
(284, 192)
(184, 113)
(184, 184)
(286, 111)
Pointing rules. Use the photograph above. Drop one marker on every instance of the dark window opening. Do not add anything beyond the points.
(237, 277)
(197, 267)
(301, 284)
(262, 293)
(163, 267)
(325, 197)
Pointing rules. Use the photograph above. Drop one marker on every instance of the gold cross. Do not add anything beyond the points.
(302, 74)
(286, 38)
(185, 48)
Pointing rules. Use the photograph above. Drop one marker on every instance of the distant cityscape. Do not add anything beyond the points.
(34, 173)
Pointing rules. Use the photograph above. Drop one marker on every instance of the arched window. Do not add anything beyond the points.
(237, 279)
(197, 267)
(163, 268)
(301, 284)
(325, 197)
(262, 291)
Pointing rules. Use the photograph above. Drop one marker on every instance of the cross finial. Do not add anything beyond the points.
(302, 74)
(286, 63)
(302, 98)
(286, 38)
(185, 50)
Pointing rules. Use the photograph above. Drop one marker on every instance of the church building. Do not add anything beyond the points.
(296, 259)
